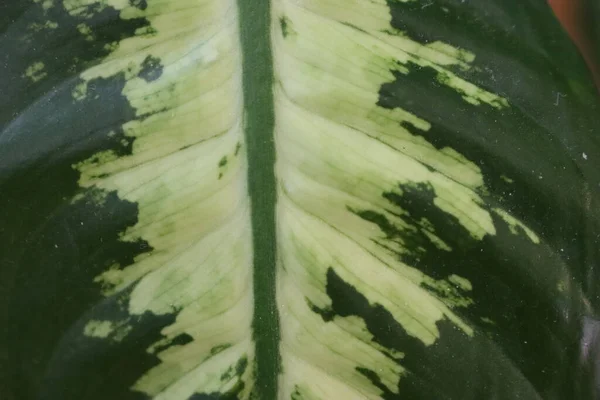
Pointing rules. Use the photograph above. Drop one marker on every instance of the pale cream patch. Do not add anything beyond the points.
(35, 72)
(517, 227)
(98, 329)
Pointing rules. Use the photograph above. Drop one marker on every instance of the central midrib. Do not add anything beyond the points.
(259, 122)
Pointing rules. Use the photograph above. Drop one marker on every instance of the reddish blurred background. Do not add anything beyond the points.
(572, 14)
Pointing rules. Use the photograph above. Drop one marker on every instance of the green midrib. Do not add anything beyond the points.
(259, 122)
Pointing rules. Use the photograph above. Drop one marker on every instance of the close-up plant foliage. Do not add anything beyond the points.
(299, 199)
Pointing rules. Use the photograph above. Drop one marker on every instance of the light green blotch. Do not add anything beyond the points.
(461, 282)
(37, 27)
(436, 241)
(129, 70)
(146, 31)
(401, 68)
(516, 226)
(35, 72)
(81, 8)
(121, 332)
(506, 179)
(454, 52)
(111, 47)
(110, 279)
(102, 329)
(429, 230)
(101, 157)
(46, 4)
(471, 169)
(95, 197)
(478, 223)
(471, 93)
(426, 224)
(98, 329)
(86, 31)
(132, 70)
(451, 291)
(395, 32)
(80, 91)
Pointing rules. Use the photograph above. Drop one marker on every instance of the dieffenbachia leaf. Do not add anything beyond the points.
(436, 224)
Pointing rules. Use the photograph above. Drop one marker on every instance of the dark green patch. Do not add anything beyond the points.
(530, 325)
(180, 340)
(54, 247)
(207, 396)
(241, 366)
(238, 147)
(84, 367)
(347, 301)
(218, 349)
(223, 162)
(284, 25)
(215, 396)
(354, 27)
(539, 143)
(414, 237)
(64, 51)
(296, 395)
(237, 370)
(386, 393)
(512, 42)
(151, 70)
(451, 368)
(141, 4)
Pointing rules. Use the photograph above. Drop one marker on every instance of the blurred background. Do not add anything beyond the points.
(581, 18)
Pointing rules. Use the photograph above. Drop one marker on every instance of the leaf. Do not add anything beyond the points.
(307, 199)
